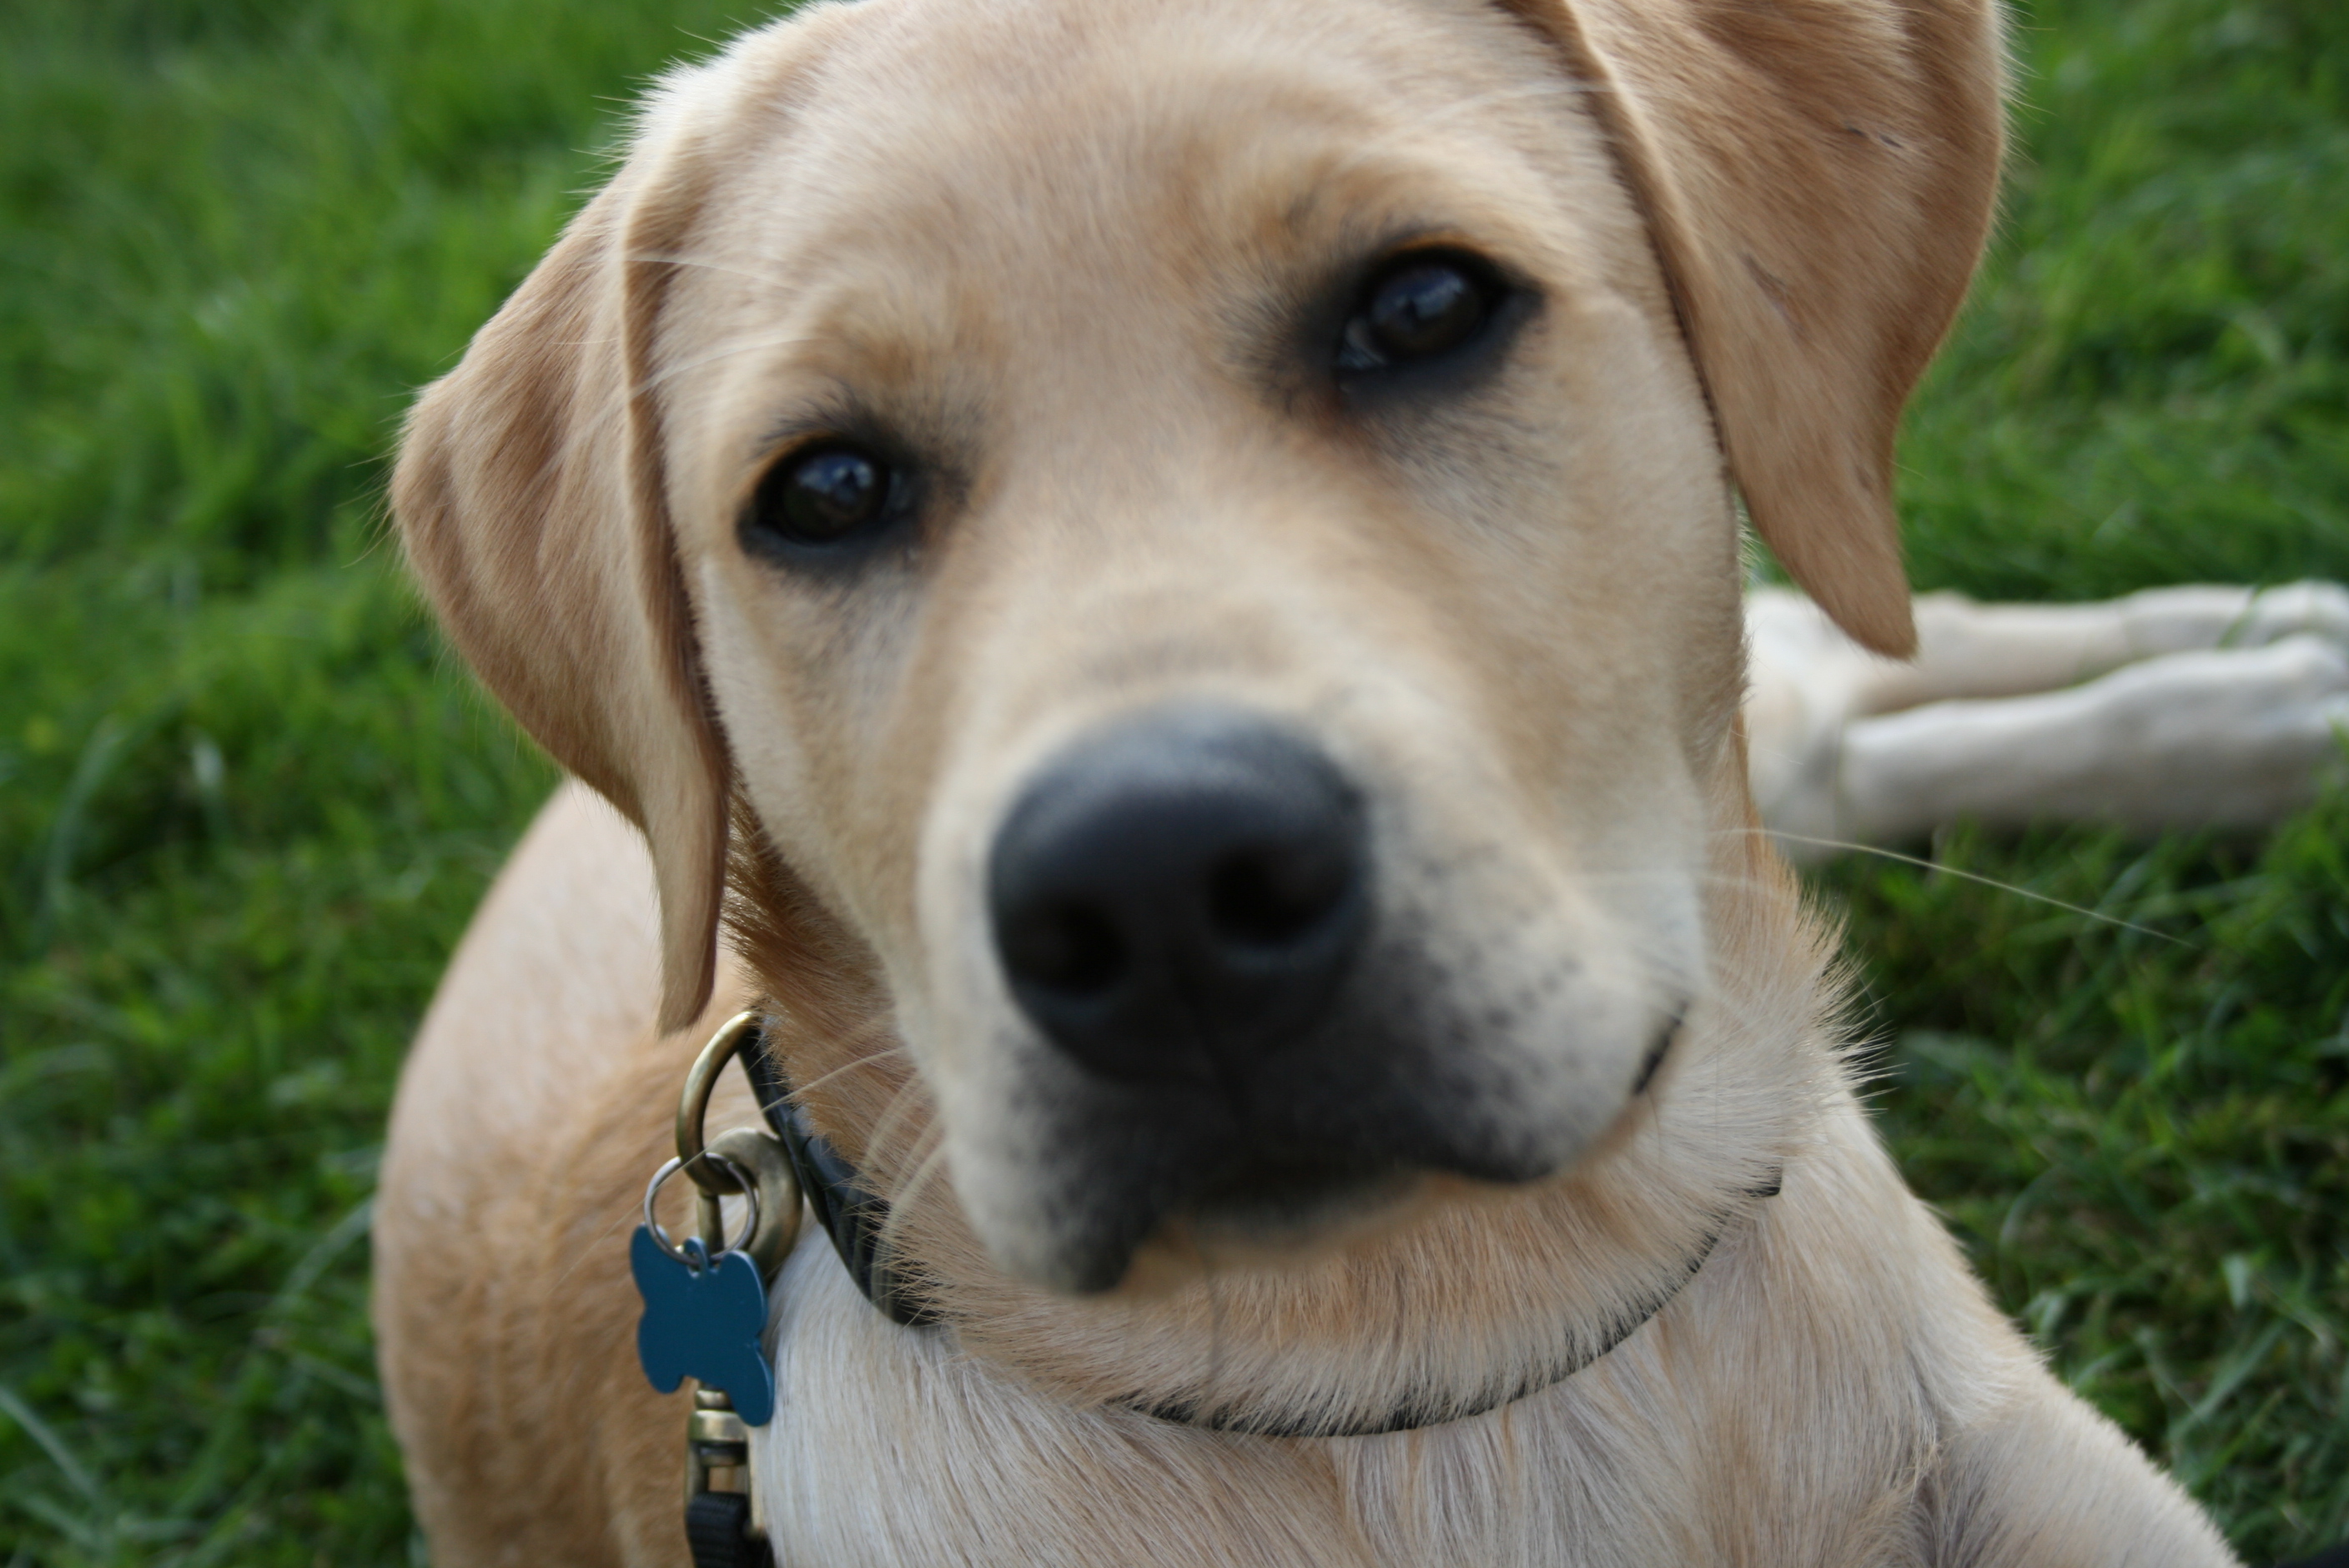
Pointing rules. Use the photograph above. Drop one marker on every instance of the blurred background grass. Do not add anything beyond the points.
(247, 803)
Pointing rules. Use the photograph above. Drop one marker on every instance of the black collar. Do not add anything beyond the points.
(855, 1218)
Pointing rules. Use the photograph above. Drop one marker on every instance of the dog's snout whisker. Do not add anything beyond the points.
(1178, 895)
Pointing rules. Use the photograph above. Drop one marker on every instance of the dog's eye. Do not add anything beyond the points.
(1419, 308)
(824, 495)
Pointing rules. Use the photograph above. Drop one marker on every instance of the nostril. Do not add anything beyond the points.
(1178, 895)
(1276, 895)
(1071, 948)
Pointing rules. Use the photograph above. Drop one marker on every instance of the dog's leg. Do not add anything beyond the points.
(2241, 749)
(2045, 1482)
(2221, 738)
(1966, 649)
(535, 1101)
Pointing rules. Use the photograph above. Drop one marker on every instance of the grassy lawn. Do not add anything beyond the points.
(246, 802)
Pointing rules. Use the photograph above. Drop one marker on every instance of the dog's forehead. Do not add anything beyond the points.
(1057, 77)
(936, 130)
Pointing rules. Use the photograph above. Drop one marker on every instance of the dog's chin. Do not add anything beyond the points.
(1117, 1190)
(1267, 1215)
(1264, 1213)
(1279, 1209)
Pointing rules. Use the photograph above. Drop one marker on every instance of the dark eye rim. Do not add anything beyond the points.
(900, 506)
(1509, 298)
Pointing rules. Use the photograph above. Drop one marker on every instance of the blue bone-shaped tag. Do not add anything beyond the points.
(702, 1320)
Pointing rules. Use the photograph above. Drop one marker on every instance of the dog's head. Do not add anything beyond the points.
(1194, 546)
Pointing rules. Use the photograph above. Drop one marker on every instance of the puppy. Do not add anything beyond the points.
(1171, 572)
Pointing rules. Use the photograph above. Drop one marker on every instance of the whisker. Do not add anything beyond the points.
(926, 1169)
(885, 1125)
(931, 1165)
(870, 1058)
(1989, 881)
(595, 1245)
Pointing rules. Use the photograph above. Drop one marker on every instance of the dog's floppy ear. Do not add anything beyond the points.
(530, 495)
(1818, 176)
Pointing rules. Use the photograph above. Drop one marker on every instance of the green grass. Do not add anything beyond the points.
(245, 803)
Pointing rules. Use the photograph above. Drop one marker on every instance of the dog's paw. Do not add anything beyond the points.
(2296, 609)
(2226, 737)
(2162, 621)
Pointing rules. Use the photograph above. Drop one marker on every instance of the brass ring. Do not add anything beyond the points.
(694, 1104)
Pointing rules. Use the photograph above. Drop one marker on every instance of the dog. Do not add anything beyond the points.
(1169, 576)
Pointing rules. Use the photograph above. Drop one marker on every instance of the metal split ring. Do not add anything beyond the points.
(713, 1229)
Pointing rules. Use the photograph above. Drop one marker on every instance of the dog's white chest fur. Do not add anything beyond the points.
(890, 1447)
(1788, 1407)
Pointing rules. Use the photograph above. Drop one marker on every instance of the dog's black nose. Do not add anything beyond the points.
(1180, 893)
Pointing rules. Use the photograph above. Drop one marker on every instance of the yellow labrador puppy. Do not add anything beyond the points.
(1170, 572)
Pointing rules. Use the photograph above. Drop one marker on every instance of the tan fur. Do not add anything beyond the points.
(1058, 246)
(1818, 176)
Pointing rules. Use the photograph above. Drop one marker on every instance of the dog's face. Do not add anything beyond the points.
(1201, 532)
(1228, 587)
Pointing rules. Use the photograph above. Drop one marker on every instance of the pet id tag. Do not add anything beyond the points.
(703, 1318)
(705, 1301)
